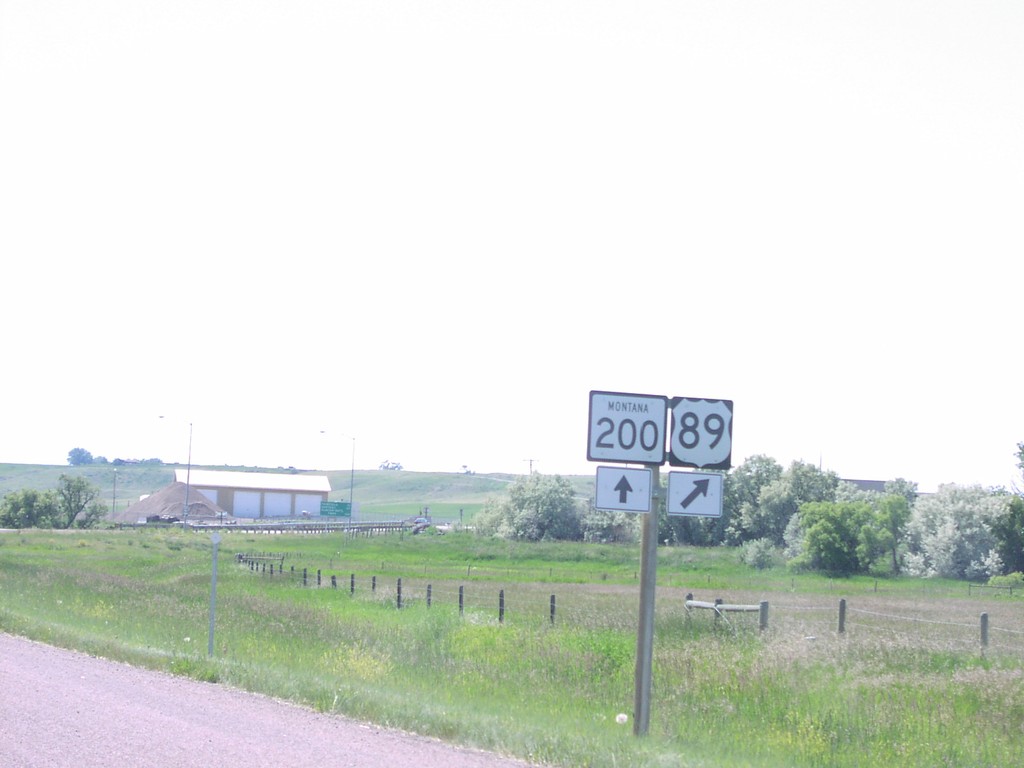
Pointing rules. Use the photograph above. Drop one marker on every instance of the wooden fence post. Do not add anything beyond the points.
(399, 594)
(318, 577)
(552, 609)
(762, 618)
(373, 584)
(501, 606)
(718, 614)
(428, 595)
(352, 584)
(304, 577)
(462, 595)
(984, 631)
(842, 615)
(334, 581)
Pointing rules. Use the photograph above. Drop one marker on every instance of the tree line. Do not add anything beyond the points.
(79, 457)
(803, 516)
(74, 503)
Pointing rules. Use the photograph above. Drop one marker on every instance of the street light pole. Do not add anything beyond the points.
(352, 473)
(352, 478)
(188, 475)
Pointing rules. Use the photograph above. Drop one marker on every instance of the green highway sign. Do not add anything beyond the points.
(335, 509)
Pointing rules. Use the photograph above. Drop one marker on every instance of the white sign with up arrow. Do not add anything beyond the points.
(623, 490)
(697, 494)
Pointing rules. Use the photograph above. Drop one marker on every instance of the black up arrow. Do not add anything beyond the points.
(623, 487)
(700, 488)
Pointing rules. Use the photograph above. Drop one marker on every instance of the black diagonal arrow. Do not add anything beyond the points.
(700, 488)
(623, 487)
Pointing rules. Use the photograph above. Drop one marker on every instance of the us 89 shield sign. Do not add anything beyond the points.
(701, 433)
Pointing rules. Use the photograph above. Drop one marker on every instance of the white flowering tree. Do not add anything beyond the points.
(536, 507)
(950, 533)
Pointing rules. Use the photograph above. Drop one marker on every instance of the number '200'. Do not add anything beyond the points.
(628, 434)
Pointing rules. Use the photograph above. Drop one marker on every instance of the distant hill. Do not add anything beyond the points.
(377, 493)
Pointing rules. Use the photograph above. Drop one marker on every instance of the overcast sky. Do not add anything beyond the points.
(426, 230)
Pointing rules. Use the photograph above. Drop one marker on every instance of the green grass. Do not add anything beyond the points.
(888, 692)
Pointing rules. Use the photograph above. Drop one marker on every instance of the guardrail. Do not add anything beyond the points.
(353, 529)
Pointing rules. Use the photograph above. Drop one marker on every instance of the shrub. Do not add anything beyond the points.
(759, 554)
(1009, 580)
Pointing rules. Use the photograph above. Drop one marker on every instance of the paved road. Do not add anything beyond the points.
(61, 708)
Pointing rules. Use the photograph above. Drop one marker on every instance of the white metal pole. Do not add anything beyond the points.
(213, 592)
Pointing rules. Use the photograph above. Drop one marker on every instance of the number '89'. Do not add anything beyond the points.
(689, 433)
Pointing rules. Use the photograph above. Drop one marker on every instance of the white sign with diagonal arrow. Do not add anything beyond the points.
(623, 490)
(696, 494)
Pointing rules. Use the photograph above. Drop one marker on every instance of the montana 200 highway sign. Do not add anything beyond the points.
(627, 428)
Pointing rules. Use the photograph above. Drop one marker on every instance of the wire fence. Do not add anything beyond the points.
(995, 626)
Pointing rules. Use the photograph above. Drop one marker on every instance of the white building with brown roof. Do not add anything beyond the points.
(259, 494)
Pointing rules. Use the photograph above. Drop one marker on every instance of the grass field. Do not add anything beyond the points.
(907, 684)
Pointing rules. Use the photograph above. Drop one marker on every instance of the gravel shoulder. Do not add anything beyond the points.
(63, 708)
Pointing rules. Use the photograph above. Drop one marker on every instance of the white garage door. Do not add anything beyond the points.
(277, 504)
(247, 504)
(306, 503)
(209, 493)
